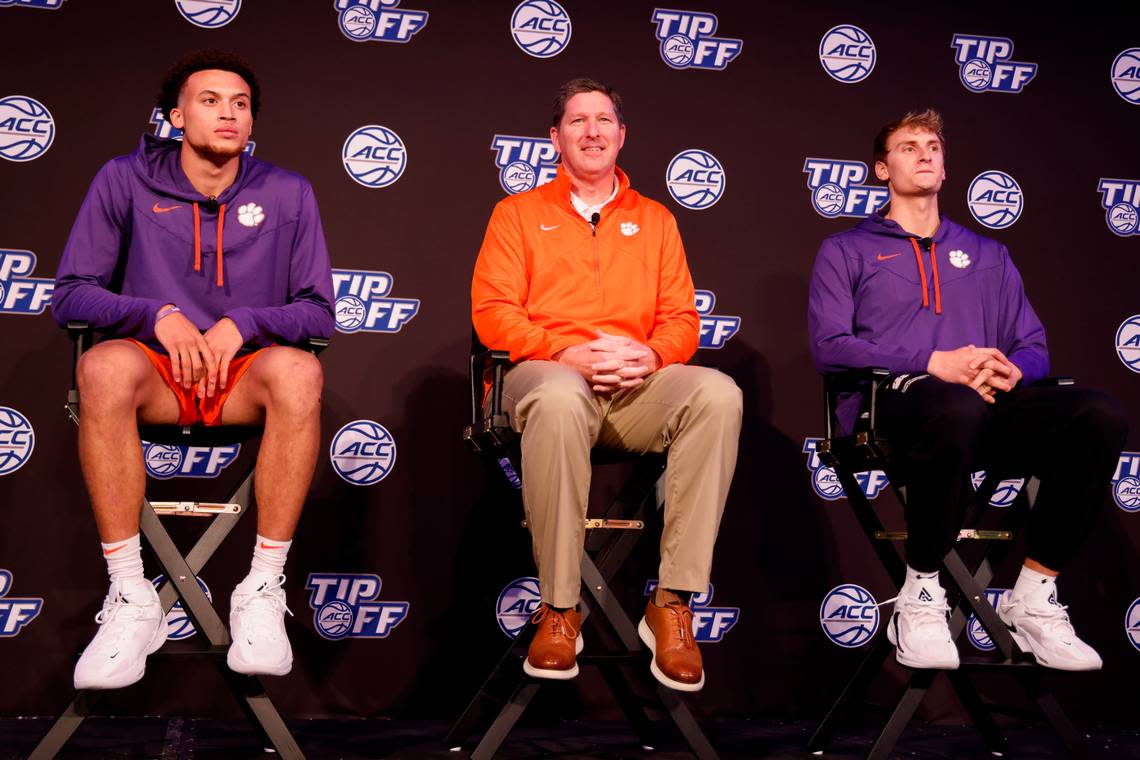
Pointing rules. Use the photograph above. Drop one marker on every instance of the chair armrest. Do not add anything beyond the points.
(849, 381)
(314, 345)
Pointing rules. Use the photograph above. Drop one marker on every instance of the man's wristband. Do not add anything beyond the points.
(166, 312)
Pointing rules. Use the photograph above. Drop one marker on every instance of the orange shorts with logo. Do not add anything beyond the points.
(191, 409)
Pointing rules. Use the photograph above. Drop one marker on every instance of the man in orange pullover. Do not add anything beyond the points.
(585, 282)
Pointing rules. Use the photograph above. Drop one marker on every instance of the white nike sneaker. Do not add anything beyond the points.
(131, 626)
(1042, 628)
(919, 628)
(257, 627)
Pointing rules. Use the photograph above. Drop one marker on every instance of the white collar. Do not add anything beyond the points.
(587, 211)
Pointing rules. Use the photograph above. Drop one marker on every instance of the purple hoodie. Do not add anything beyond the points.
(877, 299)
(145, 237)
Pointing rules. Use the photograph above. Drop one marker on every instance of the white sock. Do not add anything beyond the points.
(124, 560)
(917, 576)
(1035, 587)
(269, 556)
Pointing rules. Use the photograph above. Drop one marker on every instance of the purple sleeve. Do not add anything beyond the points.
(309, 311)
(1021, 335)
(831, 321)
(90, 259)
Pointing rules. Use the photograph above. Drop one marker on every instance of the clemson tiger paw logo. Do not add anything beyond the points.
(251, 215)
(960, 259)
(629, 229)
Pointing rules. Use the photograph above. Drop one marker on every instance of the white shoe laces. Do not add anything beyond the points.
(261, 610)
(927, 620)
(117, 609)
(1052, 618)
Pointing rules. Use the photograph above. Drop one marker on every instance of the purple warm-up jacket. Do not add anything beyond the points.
(145, 237)
(878, 300)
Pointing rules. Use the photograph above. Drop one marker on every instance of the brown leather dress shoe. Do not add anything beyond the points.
(668, 632)
(554, 651)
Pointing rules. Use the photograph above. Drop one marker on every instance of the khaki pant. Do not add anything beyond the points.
(693, 413)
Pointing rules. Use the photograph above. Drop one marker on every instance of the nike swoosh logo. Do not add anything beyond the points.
(881, 257)
(112, 551)
(162, 209)
(544, 228)
(267, 546)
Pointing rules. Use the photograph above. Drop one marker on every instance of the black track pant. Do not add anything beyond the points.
(1070, 438)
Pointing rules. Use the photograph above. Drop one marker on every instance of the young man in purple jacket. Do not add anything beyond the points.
(203, 267)
(944, 310)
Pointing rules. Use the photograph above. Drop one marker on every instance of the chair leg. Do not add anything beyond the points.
(65, 726)
(871, 664)
(1055, 716)
(505, 721)
(979, 712)
(919, 684)
(508, 669)
(631, 705)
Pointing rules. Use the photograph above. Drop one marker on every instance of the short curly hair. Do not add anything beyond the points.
(927, 119)
(203, 60)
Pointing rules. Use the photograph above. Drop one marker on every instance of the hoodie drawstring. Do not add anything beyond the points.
(934, 274)
(222, 280)
(198, 241)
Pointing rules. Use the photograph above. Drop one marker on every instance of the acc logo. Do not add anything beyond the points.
(709, 623)
(847, 53)
(541, 28)
(687, 41)
(164, 461)
(363, 452)
(362, 302)
(178, 625)
(1120, 199)
(995, 199)
(27, 129)
(20, 294)
(1128, 342)
(974, 629)
(984, 65)
(518, 600)
(695, 179)
(48, 4)
(1132, 624)
(381, 20)
(1126, 481)
(837, 188)
(15, 613)
(826, 482)
(374, 156)
(524, 162)
(208, 14)
(849, 616)
(1126, 75)
(17, 440)
(715, 330)
(344, 606)
(1006, 491)
(166, 130)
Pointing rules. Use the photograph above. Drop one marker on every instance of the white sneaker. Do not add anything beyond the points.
(257, 627)
(1042, 628)
(919, 628)
(131, 626)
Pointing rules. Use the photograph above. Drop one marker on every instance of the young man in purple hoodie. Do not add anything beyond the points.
(944, 310)
(202, 266)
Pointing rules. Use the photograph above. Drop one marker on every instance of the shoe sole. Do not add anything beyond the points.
(905, 660)
(1025, 644)
(646, 635)
(556, 675)
(156, 642)
(237, 665)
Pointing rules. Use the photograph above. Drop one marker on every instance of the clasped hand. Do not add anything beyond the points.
(196, 358)
(986, 370)
(611, 362)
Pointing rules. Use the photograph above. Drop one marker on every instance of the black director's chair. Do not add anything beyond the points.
(609, 542)
(867, 448)
(181, 572)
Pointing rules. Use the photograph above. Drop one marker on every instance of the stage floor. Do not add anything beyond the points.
(186, 738)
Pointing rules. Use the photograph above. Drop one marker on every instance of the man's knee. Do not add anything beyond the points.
(292, 377)
(111, 373)
(714, 393)
(959, 416)
(1101, 417)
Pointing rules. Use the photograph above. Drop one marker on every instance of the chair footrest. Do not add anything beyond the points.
(193, 508)
(213, 651)
(964, 534)
(597, 523)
